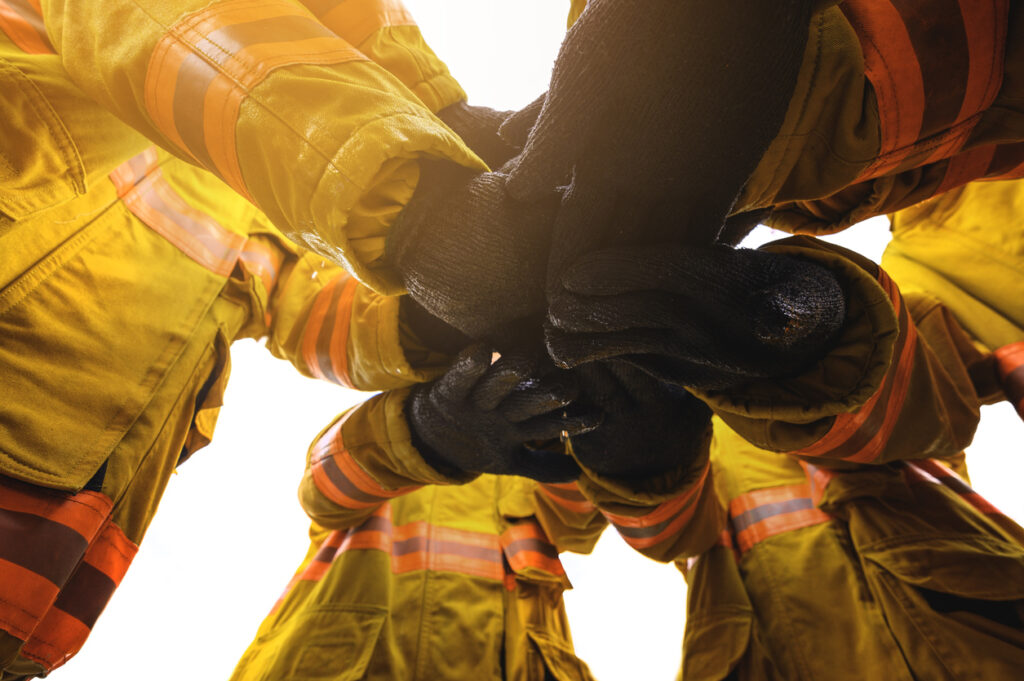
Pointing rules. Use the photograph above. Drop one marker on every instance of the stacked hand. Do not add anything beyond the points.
(648, 428)
(657, 113)
(705, 317)
(491, 418)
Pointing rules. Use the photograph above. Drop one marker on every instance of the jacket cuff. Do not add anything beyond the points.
(786, 414)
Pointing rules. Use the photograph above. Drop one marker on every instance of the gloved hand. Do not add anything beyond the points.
(649, 428)
(658, 110)
(478, 128)
(470, 254)
(704, 317)
(482, 418)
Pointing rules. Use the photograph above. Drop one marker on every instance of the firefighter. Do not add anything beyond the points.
(421, 566)
(126, 275)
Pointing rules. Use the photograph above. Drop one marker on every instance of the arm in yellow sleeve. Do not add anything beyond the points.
(673, 518)
(894, 386)
(363, 459)
(329, 326)
(287, 112)
(386, 32)
(569, 518)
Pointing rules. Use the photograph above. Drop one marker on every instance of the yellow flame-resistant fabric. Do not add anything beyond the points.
(860, 596)
(114, 343)
(933, 411)
(966, 248)
(831, 132)
(362, 620)
(327, 150)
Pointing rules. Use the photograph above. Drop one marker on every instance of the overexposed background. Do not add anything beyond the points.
(230, 532)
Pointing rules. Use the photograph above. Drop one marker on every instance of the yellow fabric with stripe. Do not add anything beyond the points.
(434, 584)
(874, 575)
(220, 85)
(126, 275)
(966, 248)
(883, 371)
(868, 130)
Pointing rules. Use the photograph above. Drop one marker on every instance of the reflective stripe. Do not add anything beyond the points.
(526, 546)
(760, 514)
(325, 336)
(132, 171)
(664, 521)
(339, 478)
(414, 546)
(568, 496)
(147, 194)
(935, 66)
(205, 67)
(60, 560)
(262, 261)
(419, 546)
(357, 20)
(936, 473)
(64, 629)
(861, 436)
(22, 21)
(1010, 361)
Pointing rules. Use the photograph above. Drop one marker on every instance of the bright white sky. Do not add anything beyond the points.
(230, 532)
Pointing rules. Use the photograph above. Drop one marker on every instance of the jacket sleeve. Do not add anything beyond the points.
(673, 517)
(569, 518)
(363, 459)
(285, 110)
(328, 325)
(896, 384)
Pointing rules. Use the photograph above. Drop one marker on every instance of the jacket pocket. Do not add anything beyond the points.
(39, 164)
(558, 658)
(87, 337)
(954, 603)
(330, 643)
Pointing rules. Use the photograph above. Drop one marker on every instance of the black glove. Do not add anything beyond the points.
(478, 128)
(704, 317)
(659, 110)
(649, 428)
(483, 418)
(470, 254)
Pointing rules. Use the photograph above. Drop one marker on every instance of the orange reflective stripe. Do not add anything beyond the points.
(1010, 362)
(935, 67)
(965, 167)
(55, 571)
(861, 436)
(936, 473)
(343, 481)
(412, 547)
(892, 67)
(152, 199)
(325, 336)
(57, 638)
(357, 20)
(22, 21)
(985, 43)
(262, 261)
(131, 172)
(64, 629)
(760, 514)
(24, 599)
(527, 546)
(568, 496)
(43, 536)
(84, 512)
(205, 67)
(1008, 163)
(664, 521)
